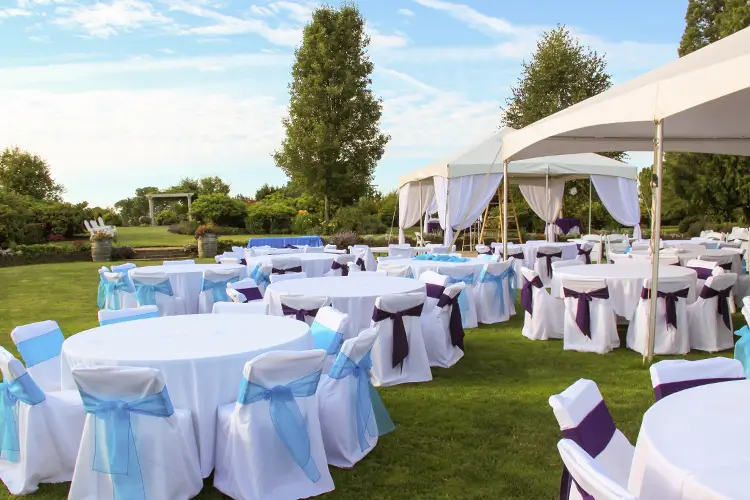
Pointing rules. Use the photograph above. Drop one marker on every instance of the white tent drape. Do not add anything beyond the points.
(620, 198)
(409, 208)
(548, 209)
(468, 196)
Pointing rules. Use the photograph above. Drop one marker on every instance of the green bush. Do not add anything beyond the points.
(685, 223)
(269, 218)
(184, 227)
(306, 223)
(167, 217)
(696, 227)
(343, 239)
(219, 209)
(44, 254)
(25, 220)
(144, 220)
(356, 218)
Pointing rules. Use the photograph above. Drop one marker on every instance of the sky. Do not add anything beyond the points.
(121, 94)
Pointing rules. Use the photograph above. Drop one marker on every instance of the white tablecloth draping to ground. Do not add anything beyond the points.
(693, 445)
(200, 356)
(186, 279)
(354, 294)
(314, 265)
(625, 282)
(419, 266)
(686, 255)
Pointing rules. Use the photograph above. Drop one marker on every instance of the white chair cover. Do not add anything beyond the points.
(364, 254)
(588, 475)
(127, 297)
(583, 417)
(261, 274)
(713, 235)
(444, 346)
(640, 245)
(248, 291)
(396, 270)
(587, 247)
(435, 285)
(401, 251)
(169, 305)
(328, 330)
(214, 288)
(596, 252)
(309, 249)
(339, 263)
(709, 317)
(48, 428)
(302, 307)
(252, 461)
(40, 345)
(286, 264)
(542, 264)
(544, 320)
(602, 324)
(387, 369)
(254, 307)
(463, 274)
(108, 316)
(115, 287)
(493, 292)
(178, 262)
(675, 375)
(275, 278)
(668, 338)
(698, 265)
(230, 260)
(162, 444)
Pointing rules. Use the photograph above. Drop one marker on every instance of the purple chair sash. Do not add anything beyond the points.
(584, 252)
(703, 273)
(434, 291)
(488, 252)
(344, 268)
(299, 314)
(527, 294)
(243, 262)
(664, 390)
(250, 293)
(361, 263)
(671, 299)
(727, 266)
(297, 269)
(518, 255)
(400, 341)
(292, 246)
(455, 325)
(583, 313)
(549, 257)
(722, 306)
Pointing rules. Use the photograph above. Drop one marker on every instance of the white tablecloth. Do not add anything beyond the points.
(186, 279)
(314, 264)
(354, 294)
(693, 445)
(686, 255)
(625, 281)
(200, 356)
(419, 266)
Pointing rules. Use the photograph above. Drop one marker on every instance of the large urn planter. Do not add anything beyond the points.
(101, 250)
(207, 246)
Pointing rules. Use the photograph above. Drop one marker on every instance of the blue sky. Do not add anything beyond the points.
(118, 94)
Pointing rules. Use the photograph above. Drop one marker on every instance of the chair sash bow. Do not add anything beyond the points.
(670, 298)
(583, 312)
(400, 340)
(703, 273)
(518, 255)
(326, 338)
(455, 324)
(109, 293)
(344, 268)
(219, 288)
(506, 278)
(297, 269)
(22, 389)
(722, 304)
(548, 257)
(361, 263)
(434, 291)
(250, 293)
(260, 278)
(527, 294)
(290, 425)
(145, 293)
(299, 314)
(463, 298)
(585, 252)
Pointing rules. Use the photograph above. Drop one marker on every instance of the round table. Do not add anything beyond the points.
(314, 265)
(625, 281)
(187, 279)
(354, 294)
(420, 266)
(692, 445)
(686, 255)
(201, 358)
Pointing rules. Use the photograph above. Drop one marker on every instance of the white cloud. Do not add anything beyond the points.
(39, 39)
(379, 40)
(405, 12)
(103, 20)
(166, 51)
(14, 13)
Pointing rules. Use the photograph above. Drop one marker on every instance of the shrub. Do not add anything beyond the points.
(191, 249)
(184, 227)
(167, 217)
(343, 239)
(305, 223)
(226, 245)
(219, 209)
(269, 217)
(696, 227)
(44, 254)
(685, 223)
(356, 218)
(144, 220)
(205, 229)
(122, 253)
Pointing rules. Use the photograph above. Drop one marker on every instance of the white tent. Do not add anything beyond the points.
(698, 103)
(462, 186)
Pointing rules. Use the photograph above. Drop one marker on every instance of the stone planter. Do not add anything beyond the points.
(207, 246)
(101, 250)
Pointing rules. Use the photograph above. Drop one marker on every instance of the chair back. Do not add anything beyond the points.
(364, 253)
(278, 368)
(725, 261)
(40, 345)
(440, 249)
(302, 307)
(146, 278)
(285, 264)
(401, 251)
(396, 270)
(109, 316)
(275, 278)
(239, 252)
(253, 307)
(309, 249)
(713, 235)
(328, 329)
(435, 284)
(219, 275)
(357, 347)
(247, 290)
(126, 383)
(674, 375)
(589, 477)
(178, 262)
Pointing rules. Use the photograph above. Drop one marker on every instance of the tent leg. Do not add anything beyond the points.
(589, 205)
(656, 230)
(484, 223)
(505, 210)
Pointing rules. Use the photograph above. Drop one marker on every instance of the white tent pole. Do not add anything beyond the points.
(505, 210)
(656, 230)
(546, 208)
(447, 230)
(589, 204)
(421, 214)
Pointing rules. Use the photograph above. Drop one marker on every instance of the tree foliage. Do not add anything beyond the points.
(219, 209)
(332, 141)
(28, 174)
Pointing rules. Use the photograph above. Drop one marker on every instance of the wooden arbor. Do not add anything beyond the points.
(151, 197)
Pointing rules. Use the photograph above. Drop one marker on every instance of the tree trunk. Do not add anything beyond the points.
(325, 209)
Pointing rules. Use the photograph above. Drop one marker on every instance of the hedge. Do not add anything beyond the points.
(47, 254)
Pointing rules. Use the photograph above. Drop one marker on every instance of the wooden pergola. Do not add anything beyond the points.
(167, 195)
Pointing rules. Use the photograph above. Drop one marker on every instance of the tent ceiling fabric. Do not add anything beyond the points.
(702, 98)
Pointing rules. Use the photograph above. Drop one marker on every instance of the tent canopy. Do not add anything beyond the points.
(703, 99)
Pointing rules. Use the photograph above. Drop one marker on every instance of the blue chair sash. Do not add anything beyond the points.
(369, 407)
(145, 293)
(463, 297)
(124, 268)
(109, 293)
(505, 279)
(22, 389)
(125, 319)
(325, 338)
(39, 349)
(742, 348)
(290, 425)
(219, 288)
(114, 444)
(260, 278)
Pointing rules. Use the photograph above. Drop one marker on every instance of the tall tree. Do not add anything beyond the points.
(25, 173)
(333, 140)
(714, 185)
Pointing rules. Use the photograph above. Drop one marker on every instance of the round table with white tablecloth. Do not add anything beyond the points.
(418, 266)
(186, 279)
(354, 294)
(686, 255)
(314, 265)
(625, 281)
(200, 356)
(692, 445)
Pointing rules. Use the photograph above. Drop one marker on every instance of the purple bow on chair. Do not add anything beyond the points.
(344, 268)
(670, 298)
(455, 325)
(292, 247)
(518, 255)
(400, 341)
(297, 269)
(434, 291)
(585, 253)
(727, 266)
(299, 314)
(250, 293)
(722, 306)
(548, 257)
(527, 294)
(703, 273)
(583, 313)
(361, 263)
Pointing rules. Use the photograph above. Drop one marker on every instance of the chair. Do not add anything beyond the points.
(495, 292)
(713, 235)
(150, 449)
(589, 479)
(709, 318)
(275, 278)
(247, 289)
(109, 317)
(352, 416)
(40, 345)
(254, 307)
(483, 250)
(284, 265)
(155, 289)
(328, 329)
(333, 249)
(726, 262)
(542, 312)
(127, 297)
(566, 263)
(596, 252)
(339, 266)
(269, 443)
(364, 258)
(399, 355)
(440, 249)
(589, 322)
(396, 270)
(214, 287)
(584, 252)
(435, 287)
(675, 375)
(463, 274)
(671, 336)
(545, 256)
(704, 269)
(112, 290)
(584, 418)
(40, 442)
(178, 262)
(401, 251)
(261, 274)
(302, 307)
(445, 344)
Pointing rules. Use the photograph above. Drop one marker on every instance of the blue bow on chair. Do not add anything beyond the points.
(145, 293)
(22, 389)
(287, 419)
(114, 444)
(463, 297)
(219, 288)
(366, 398)
(109, 293)
(259, 277)
(507, 277)
(326, 338)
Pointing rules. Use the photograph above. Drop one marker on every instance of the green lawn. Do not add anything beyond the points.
(480, 430)
(158, 236)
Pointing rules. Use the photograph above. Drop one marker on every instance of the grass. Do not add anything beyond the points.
(480, 430)
(158, 236)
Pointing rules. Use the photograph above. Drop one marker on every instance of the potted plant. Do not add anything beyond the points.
(101, 245)
(206, 236)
